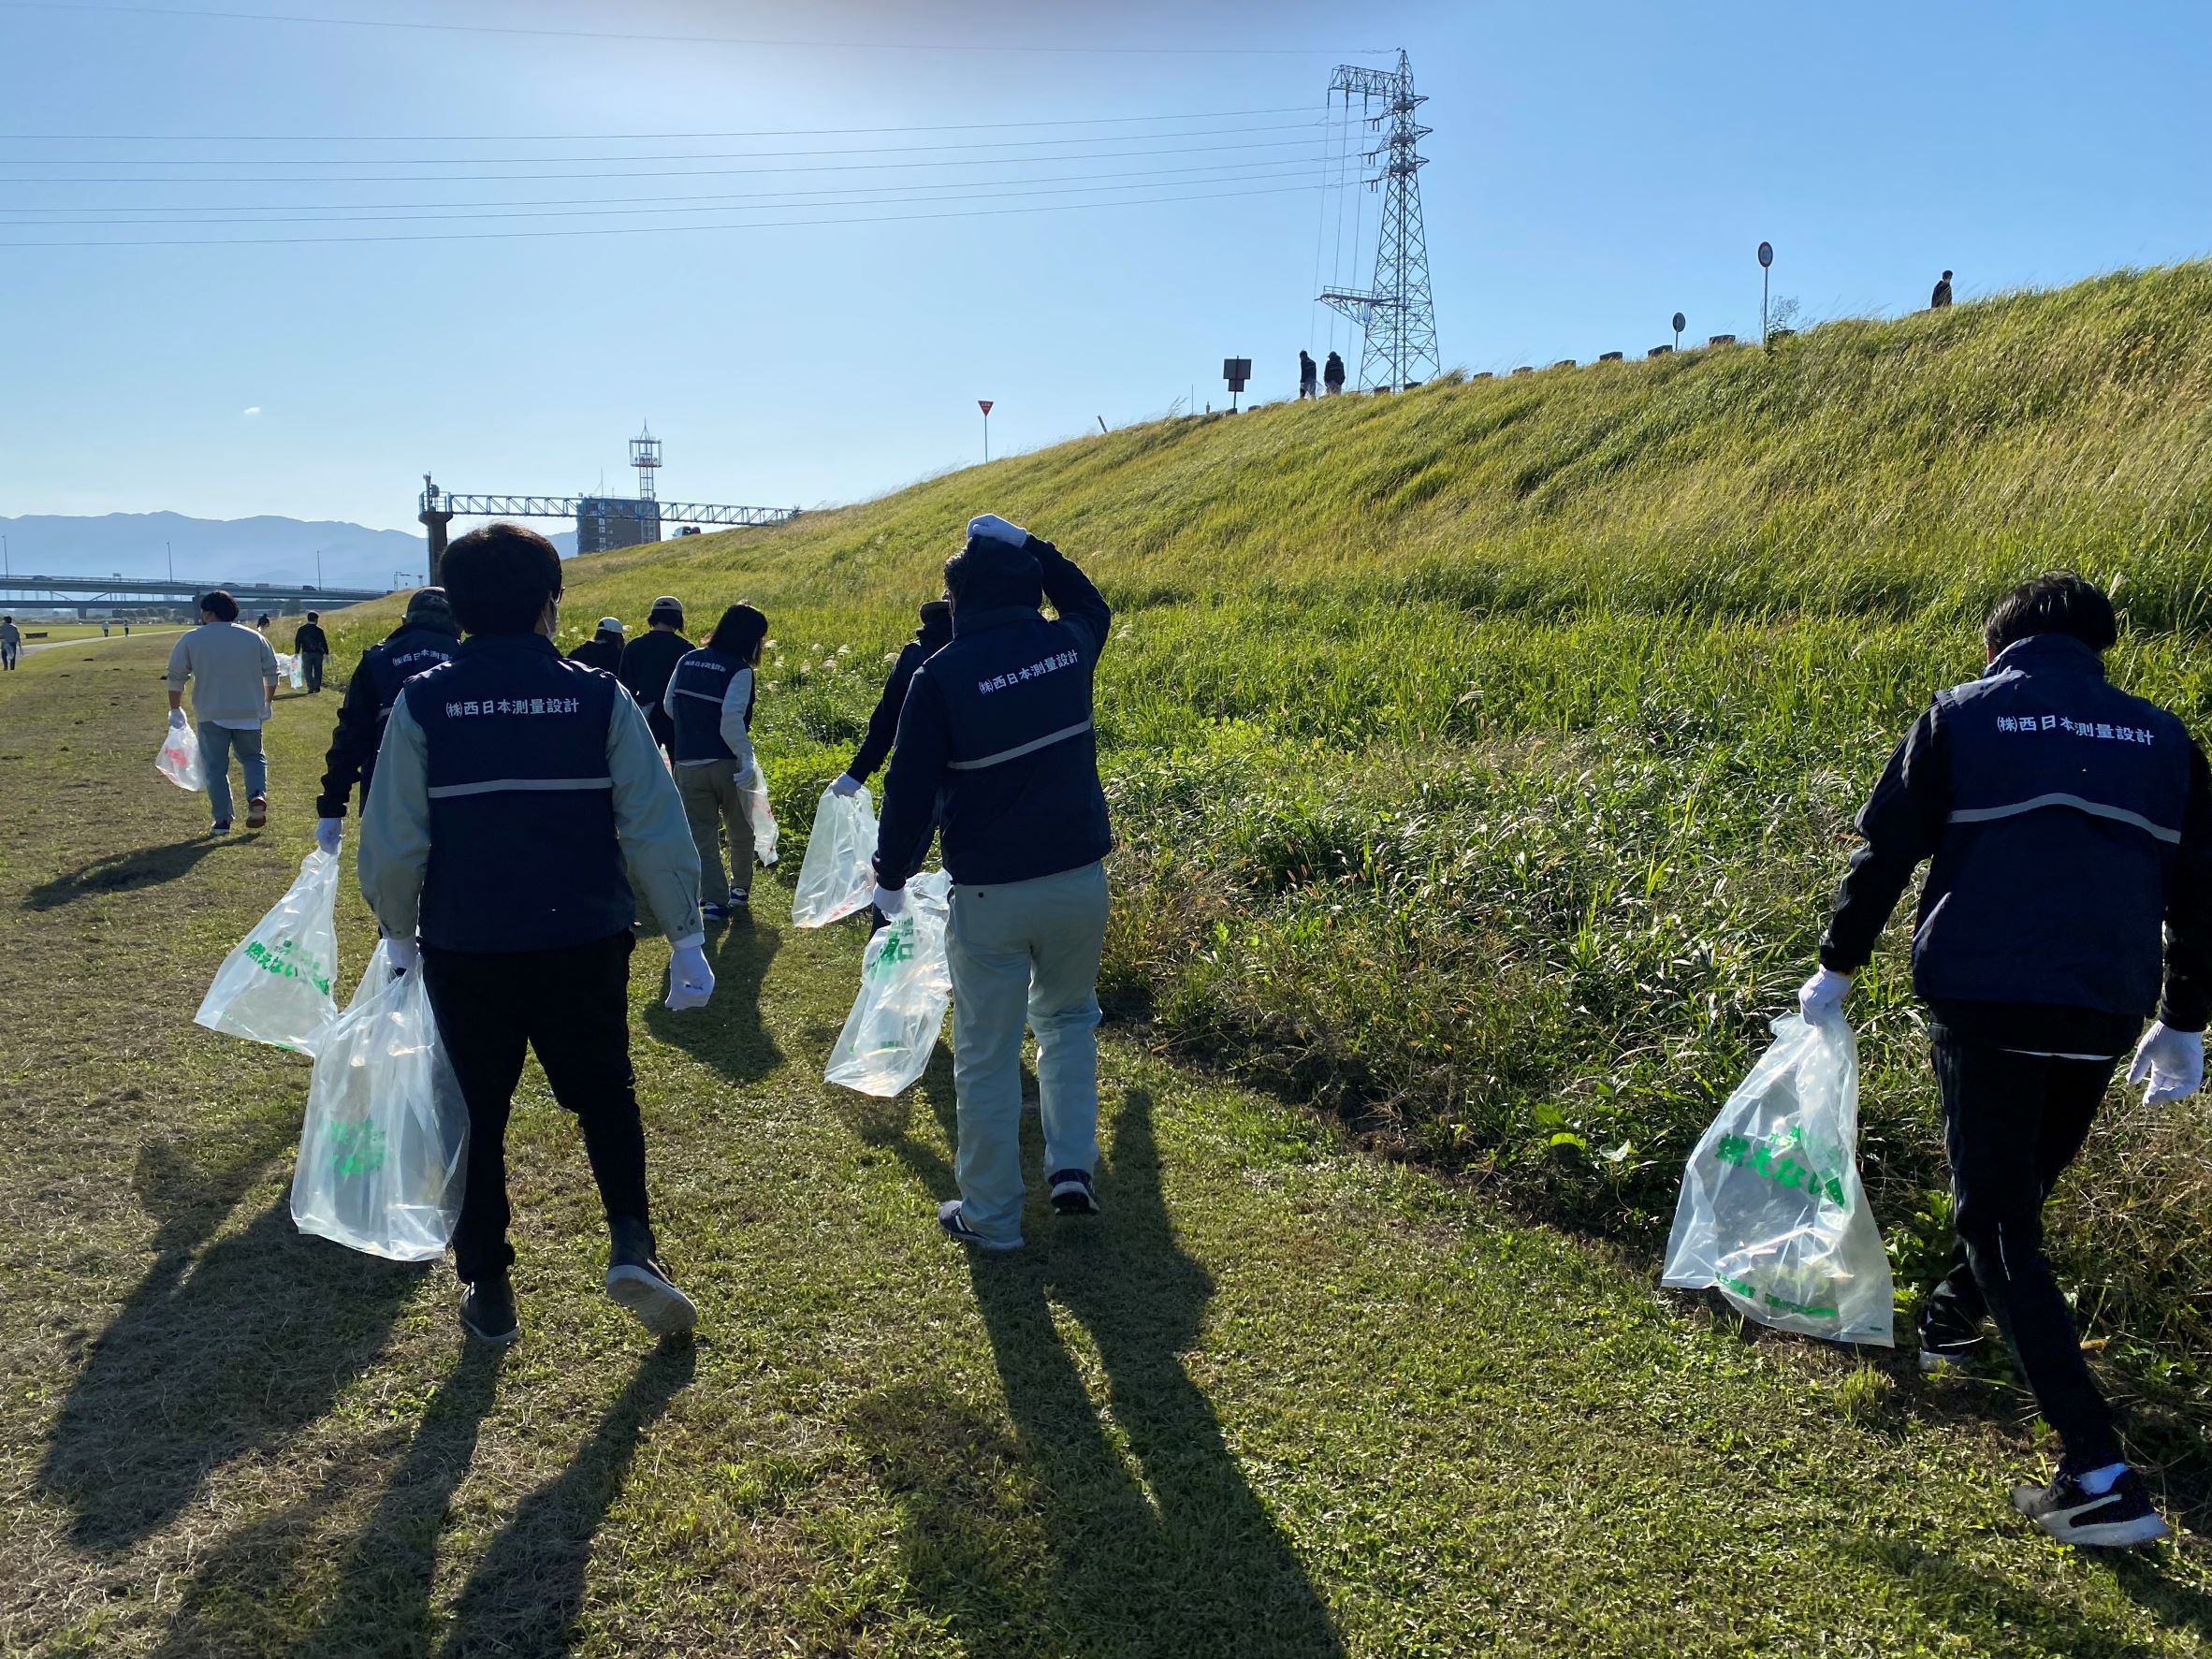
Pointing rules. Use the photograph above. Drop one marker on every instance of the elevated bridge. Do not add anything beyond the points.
(100, 595)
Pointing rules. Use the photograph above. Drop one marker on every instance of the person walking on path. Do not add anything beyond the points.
(709, 702)
(511, 789)
(648, 660)
(2070, 826)
(233, 676)
(603, 649)
(1307, 373)
(996, 734)
(1333, 375)
(426, 637)
(312, 646)
(1941, 297)
(11, 642)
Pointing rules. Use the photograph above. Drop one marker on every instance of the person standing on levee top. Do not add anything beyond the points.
(312, 646)
(648, 660)
(426, 637)
(513, 788)
(1941, 295)
(233, 675)
(1308, 372)
(709, 701)
(996, 736)
(2068, 827)
(1333, 374)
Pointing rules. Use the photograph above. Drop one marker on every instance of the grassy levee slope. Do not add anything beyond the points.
(1483, 756)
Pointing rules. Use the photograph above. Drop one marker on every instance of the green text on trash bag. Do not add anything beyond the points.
(1781, 1304)
(287, 959)
(356, 1148)
(1779, 1160)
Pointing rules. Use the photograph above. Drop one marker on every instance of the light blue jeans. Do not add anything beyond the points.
(1026, 953)
(216, 745)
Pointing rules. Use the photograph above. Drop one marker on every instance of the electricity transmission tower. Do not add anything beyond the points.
(1396, 316)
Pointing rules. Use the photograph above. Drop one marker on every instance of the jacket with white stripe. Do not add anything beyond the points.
(709, 698)
(995, 745)
(2069, 830)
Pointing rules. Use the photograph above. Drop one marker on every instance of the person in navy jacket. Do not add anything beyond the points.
(995, 750)
(2067, 830)
(935, 634)
(709, 704)
(518, 796)
(425, 638)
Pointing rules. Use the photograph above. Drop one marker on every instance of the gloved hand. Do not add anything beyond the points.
(891, 901)
(405, 954)
(2172, 1061)
(846, 787)
(742, 777)
(329, 832)
(994, 529)
(1821, 997)
(690, 981)
(177, 719)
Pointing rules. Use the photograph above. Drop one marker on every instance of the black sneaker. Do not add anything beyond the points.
(635, 1279)
(2114, 1519)
(1072, 1193)
(1946, 1343)
(488, 1312)
(220, 827)
(954, 1223)
(713, 915)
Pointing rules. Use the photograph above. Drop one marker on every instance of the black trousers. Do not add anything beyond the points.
(311, 668)
(573, 1007)
(2012, 1123)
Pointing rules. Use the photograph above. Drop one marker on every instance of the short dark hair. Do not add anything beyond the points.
(314, 615)
(220, 606)
(2056, 603)
(500, 579)
(739, 633)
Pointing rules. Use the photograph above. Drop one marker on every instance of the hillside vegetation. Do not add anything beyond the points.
(1483, 757)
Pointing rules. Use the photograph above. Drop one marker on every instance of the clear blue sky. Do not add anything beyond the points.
(1594, 167)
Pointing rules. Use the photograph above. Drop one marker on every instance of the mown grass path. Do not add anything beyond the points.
(1283, 1400)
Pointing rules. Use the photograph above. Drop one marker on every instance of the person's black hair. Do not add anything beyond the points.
(219, 604)
(666, 610)
(314, 615)
(500, 579)
(739, 633)
(2056, 603)
(1946, 276)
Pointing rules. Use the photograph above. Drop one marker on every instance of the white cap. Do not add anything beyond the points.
(611, 624)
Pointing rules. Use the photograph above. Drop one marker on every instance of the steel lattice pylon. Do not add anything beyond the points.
(1396, 316)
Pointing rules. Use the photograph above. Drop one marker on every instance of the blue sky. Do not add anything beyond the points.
(1594, 167)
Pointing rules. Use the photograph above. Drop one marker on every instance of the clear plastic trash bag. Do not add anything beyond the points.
(288, 665)
(383, 1151)
(179, 758)
(906, 984)
(275, 986)
(838, 875)
(1771, 1213)
(762, 820)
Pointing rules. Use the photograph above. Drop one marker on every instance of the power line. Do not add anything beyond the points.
(723, 204)
(494, 161)
(444, 28)
(655, 173)
(1164, 174)
(792, 132)
(638, 229)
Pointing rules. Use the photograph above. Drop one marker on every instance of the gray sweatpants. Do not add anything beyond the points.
(1026, 953)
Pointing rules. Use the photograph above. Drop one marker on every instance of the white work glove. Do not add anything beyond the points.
(329, 832)
(2173, 1062)
(846, 787)
(177, 719)
(891, 901)
(1821, 997)
(690, 981)
(404, 953)
(742, 777)
(994, 529)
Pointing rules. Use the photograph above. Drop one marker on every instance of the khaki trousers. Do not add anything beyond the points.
(714, 806)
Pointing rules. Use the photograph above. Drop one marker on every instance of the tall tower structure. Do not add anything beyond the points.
(1396, 316)
(644, 455)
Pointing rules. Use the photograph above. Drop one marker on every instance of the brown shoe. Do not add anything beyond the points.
(256, 812)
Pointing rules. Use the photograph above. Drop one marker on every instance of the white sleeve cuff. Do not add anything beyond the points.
(696, 941)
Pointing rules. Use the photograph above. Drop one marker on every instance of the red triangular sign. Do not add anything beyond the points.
(984, 404)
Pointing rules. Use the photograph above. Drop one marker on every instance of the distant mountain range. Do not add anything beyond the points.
(219, 550)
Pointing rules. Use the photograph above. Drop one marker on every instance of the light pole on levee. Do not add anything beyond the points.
(984, 404)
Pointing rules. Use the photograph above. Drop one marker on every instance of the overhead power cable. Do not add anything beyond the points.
(638, 229)
(452, 28)
(790, 132)
(654, 174)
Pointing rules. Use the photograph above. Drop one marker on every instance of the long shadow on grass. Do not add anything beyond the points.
(525, 1594)
(121, 872)
(729, 1035)
(1151, 1540)
(213, 1355)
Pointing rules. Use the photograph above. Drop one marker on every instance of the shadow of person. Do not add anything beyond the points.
(525, 1594)
(210, 1357)
(1165, 1551)
(121, 872)
(728, 1034)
